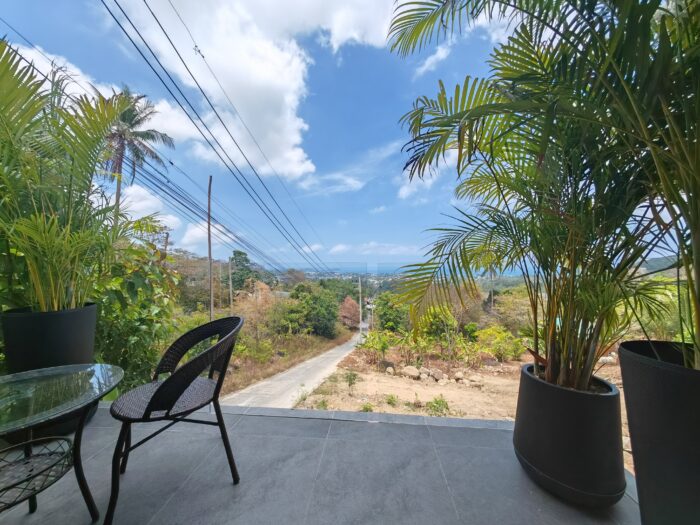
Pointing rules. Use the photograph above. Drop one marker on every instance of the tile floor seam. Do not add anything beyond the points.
(317, 473)
(181, 485)
(444, 476)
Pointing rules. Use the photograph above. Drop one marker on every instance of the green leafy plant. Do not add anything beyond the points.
(391, 312)
(367, 407)
(136, 311)
(351, 378)
(322, 404)
(561, 199)
(58, 239)
(438, 406)
(499, 342)
(392, 400)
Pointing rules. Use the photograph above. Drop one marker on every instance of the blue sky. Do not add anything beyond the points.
(317, 86)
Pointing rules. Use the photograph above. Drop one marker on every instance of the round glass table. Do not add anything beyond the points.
(29, 400)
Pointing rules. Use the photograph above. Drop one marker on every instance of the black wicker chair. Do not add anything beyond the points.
(181, 393)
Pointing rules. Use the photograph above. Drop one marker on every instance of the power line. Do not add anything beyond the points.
(260, 203)
(199, 52)
(228, 131)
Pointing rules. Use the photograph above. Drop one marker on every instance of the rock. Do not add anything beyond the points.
(475, 378)
(424, 377)
(437, 374)
(607, 360)
(410, 371)
(453, 380)
(424, 370)
(459, 375)
(390, 370)
(442, 382)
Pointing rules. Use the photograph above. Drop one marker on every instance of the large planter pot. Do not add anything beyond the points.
(569, 441)
(44, 339)
(664, 421)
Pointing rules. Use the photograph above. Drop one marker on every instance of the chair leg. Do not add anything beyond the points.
(227, 445)
(116, 464)
(127, 446)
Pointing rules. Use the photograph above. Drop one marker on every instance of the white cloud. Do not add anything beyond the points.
(497, 29)
(138, 202)
(430, 63)
(313, 248)
(332, 183)
(79, 83)
(195, 237)
(378, 209)
(376, 248)
(340, 248)
(252, 47)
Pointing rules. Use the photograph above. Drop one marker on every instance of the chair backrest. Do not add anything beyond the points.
(216, 358)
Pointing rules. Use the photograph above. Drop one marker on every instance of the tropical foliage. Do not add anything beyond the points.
(55, 226)
(551, 149)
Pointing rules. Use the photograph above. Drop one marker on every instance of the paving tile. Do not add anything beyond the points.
(490, 486)
(472, 437)
(376, 432)
(282, 426)
(363, 482)
(277, 475)
(406, 419)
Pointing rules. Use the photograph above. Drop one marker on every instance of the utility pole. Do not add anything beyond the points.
(221, 300)
(230, 286)
(211, 289)
(359, 282)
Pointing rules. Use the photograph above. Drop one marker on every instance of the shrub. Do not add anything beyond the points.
(350, 378)
(136, 311)
(392, 400)
(322, 404)
(310, 310)
(376, 343)
(467, 351)
(391, 313)
(437, 323)
(438, 406)
(367, 407)
(499, 342)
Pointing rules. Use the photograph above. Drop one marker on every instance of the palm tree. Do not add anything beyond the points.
(630, 67)
(561, 198)
(129, 139)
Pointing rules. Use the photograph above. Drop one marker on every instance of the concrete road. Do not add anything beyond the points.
(283, 390)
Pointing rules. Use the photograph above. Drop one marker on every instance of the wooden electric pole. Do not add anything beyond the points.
(230, 286)
(211, 289)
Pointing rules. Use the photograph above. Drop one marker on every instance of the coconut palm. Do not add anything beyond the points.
(128, 139)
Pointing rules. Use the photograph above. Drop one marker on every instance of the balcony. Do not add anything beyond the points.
(316, 467)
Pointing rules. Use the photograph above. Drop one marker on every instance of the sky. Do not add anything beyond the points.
(318, 90)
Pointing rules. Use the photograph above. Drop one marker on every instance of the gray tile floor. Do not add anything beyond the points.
(316, 468)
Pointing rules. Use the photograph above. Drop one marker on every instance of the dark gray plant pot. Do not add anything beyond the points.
(664, 420)
(569, 441)
(44, 339)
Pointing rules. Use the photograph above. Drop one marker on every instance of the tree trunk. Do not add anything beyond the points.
(117, 166)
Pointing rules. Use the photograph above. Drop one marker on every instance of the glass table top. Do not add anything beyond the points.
(38, 396)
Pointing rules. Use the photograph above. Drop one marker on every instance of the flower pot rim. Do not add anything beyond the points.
(657, 363)
(26, 310)
(528, 368)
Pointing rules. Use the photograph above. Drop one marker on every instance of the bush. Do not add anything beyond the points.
(391, 313)
(499, 342)
(136, 311)
(377, 343)
(350, 313)
(438, 323)
(438, 406)
(310, 310)
(392, 400)
(367, 407)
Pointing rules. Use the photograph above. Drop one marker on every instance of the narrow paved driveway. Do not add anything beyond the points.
(283, 390)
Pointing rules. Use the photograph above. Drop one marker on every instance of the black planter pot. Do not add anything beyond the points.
(661, 397)
(570, 442)
(44, 339)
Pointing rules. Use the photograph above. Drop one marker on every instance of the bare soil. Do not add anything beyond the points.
(489, 391)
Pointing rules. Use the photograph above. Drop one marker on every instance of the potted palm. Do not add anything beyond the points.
(564, 201)
(56, 233)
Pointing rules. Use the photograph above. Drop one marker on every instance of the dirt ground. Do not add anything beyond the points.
(487, 392)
